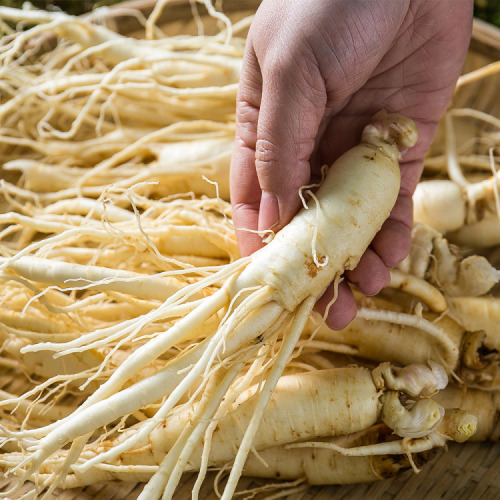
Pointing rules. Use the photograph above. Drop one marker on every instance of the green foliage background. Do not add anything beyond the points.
(489, 10)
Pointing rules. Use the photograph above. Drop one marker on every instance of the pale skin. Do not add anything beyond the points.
(314, 72)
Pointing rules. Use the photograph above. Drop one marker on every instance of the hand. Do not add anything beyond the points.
(314, 72)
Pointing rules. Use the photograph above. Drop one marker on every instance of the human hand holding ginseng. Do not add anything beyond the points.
(314, 72)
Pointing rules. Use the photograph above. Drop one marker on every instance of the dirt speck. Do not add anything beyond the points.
(312, 268)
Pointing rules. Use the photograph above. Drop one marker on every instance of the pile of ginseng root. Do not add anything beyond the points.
(117, 256)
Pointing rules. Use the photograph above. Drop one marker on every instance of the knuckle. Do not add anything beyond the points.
(246, 119)
(265, 155)
(279, 65)
(246, 112)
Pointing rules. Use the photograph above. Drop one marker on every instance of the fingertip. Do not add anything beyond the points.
(371, 273)
(392, 243)
(245, 216)
(269, 213)
(342, 311)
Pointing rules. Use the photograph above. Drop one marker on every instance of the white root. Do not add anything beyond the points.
(183, 341)
(342, 413)
(435, 260)
(261, 294)
(466, 427)
(466, 215)
(478, 313)
(419, 288)
(77, 276)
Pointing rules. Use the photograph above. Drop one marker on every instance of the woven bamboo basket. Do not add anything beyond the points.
(462, 471)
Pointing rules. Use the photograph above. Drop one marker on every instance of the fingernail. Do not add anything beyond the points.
(269, 214)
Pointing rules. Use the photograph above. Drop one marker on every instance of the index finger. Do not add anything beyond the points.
(245, 188)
